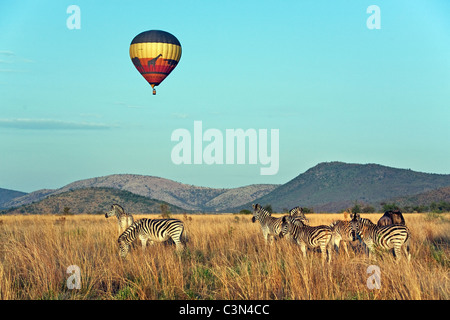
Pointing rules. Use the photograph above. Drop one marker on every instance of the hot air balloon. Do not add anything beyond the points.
(155, 54)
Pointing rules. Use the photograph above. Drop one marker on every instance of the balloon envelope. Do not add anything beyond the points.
(155, 54)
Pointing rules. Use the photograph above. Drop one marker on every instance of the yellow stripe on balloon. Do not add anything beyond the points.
(152, 49)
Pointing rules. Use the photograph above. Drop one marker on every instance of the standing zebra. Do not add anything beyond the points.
(125, 219)
(307, 236)
(341, 231)
(394, 236)
(151, 229)
(270, 226)
(297, 213)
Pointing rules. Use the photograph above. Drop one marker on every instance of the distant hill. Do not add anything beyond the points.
(7, 195)
(334, 186)
(423, 199)
(327, 187)
(93, 200)
(185, 196)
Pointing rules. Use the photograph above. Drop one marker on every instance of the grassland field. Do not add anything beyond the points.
(225, 258)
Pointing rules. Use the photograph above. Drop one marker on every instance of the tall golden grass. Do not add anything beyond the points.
(226, 258)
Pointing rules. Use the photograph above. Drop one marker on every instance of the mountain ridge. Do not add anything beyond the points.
(326, 187)
(334, 186)
(189, 197)
(94, 200)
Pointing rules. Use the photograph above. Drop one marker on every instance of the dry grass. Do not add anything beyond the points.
(226, 258)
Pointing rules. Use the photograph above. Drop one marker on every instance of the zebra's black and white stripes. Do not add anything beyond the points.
(395, 236)
(124, 219)
(158, 230)
(297, 214)
(307, 236)
(270, 226)
(341, 232)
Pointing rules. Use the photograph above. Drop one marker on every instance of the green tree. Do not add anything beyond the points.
(165, 212)
(356, 208)
(390, 206)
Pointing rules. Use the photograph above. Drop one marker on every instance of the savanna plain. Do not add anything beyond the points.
(225, 258)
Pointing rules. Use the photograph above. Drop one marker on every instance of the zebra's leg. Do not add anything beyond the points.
(336, 242)
(271, 239)
(303, 248)
(397, 252)
(177, 239)
(178, 243)
(323, 252)
(265, 234)
(370, 250)
(406, 250)
(328, 248)
(144, 242)
(123, 249)
(344, 244)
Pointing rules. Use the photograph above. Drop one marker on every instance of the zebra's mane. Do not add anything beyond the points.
(366, 222)
(119, 207)
(334, 223)
(259, 208)
(295, 211)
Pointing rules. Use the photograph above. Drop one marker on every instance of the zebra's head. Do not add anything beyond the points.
(287, 223)
(298, 214)
(355, 225)
(115, 211)
(256, 212)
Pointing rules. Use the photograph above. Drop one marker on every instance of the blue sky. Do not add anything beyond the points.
(72, 105)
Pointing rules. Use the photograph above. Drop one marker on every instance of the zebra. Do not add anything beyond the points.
(124, 219)
(297, 213)
(341, 231)
(151, 229)
(270, 226)
(394, 236)
(307, 236)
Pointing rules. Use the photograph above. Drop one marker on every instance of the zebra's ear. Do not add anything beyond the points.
(254, 206)
(355, 216)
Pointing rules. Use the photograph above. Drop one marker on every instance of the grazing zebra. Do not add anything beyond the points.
(341, 231)
(394, 236)
(151, 229)
(125, 219)
(307, 236)
(270, 226)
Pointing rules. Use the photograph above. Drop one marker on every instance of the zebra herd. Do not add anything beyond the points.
(295, 227)
(390, 232)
